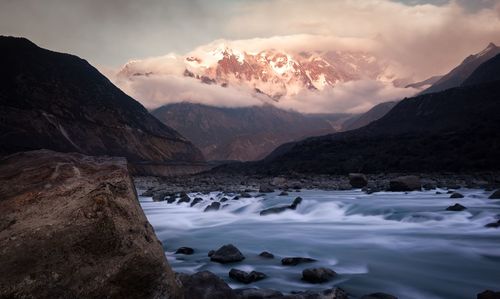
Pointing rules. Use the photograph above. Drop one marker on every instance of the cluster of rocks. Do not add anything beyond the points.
(207, 182)
(229, 254)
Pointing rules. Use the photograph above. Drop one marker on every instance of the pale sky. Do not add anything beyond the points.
(109, 33)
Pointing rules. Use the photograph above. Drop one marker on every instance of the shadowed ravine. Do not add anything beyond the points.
(404, 244)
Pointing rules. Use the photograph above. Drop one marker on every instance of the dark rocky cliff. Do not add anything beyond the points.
(59, 101)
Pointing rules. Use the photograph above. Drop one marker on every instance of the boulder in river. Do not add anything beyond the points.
(405, 183)
(456, 195)
(227, 254)
(293, 261)
(196, 201)
(357, 180)
(333, 293)
(456, 208)
(281, 209)
(318, 275)
(379, 296)
(246, 277)
(185, 250)
(488, 294)
(205, 285)
(214, 206)
(76, 230)
(495, 195)
(283, 193)
(493, 225)
(254, 293)
(184, 198)
(266, 254)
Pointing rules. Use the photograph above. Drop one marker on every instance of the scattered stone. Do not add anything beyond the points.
(267, 255)
(171, 199)
(334, 293)
(405, 183)
(185, 250)
(379, 296)
(296, 202)
(184, 198)
(245, 195)
(275, 210)
(196, 201)
(227, 254)
(159, 196)
(283, 193)
(205, 285)
(488, 294)
(236, 198)
(495, 195)
(278, 181)
(456, 208)
(214, 206)
(358, 180)
(456, 195)
(318, 275)
(493, 224)
(245, 277)
(253, 293)
(211, 252)
(266, 188)
(293, 261)
(224, 199)
(281, 209)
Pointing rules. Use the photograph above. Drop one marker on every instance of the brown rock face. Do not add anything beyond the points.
(71, 227)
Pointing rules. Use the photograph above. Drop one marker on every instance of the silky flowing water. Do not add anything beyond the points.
(405, 244)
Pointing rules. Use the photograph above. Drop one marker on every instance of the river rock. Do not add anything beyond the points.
(214, 206)
(205, 285)
(334, 293)
(493, 224)
(296, 202)
(456, 195)
(317, 275)
(275, 210)
(245, 195)
(456, 208)
(358, 180)
(196, 201)
(495, 195)
(185, 250)
(283, 193)
(184, 198)
(224, 199)
(170, 199)
(227, 254)
(379, 296)
(266, 254)
(245, 277)
(253, 293)
(405, 183)
(76, 231)
(293, 261)
(488, 294)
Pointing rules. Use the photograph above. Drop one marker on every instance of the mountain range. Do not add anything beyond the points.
(270, 73)
(58, 101)
(453, 130)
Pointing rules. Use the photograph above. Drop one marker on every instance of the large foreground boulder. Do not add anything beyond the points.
(72, 227)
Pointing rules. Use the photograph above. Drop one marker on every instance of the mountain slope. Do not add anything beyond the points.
(60, 102)
(458, 75)
(487, 72)
(377, 112)
(454, 130)
(244, 134)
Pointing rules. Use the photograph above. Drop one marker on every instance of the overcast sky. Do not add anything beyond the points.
(111, 32)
